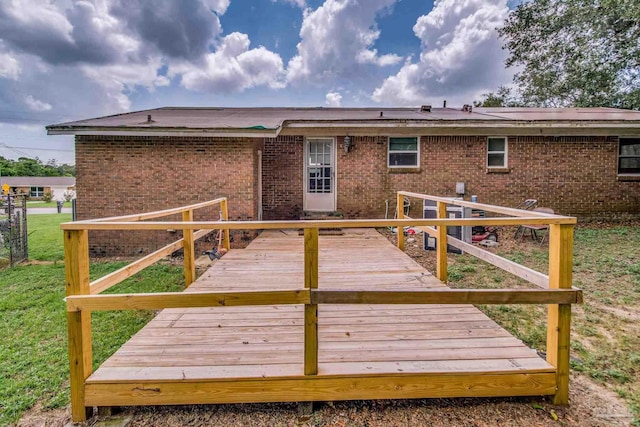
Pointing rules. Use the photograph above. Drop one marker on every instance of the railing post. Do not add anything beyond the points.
(441, 244)
(559, 315)
(189, 250)
(76, 260)
(400, 215)
(224, 209)
(311, 310)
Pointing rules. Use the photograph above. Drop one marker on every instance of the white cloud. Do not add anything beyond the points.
(299, 3)
(36, 105)
(337, 40)
(461, 55)
(333, 99)
(9, 67)
(233, 67)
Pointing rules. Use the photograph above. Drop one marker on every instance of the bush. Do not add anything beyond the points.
(47, 196)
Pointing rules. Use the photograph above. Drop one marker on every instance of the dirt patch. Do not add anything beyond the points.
(40, 417)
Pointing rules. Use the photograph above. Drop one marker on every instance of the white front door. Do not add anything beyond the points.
(320, 172)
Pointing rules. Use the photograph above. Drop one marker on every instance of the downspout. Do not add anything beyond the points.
(259, 185)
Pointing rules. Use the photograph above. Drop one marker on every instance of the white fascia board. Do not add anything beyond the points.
(204, 133)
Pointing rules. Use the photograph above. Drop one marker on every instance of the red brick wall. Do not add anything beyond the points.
(124, 175)
(282, 177)
(572, 175)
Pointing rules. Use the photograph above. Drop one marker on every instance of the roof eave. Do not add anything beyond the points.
(128, 131)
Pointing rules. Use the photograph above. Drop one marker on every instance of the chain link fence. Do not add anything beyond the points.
(13, 230)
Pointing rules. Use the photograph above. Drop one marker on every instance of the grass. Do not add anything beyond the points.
(33, 356)
(45, 236)
(605, 329)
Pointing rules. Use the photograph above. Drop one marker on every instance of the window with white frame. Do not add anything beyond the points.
(36, 192)
(403, 152)
(629, 156)
(496, 152)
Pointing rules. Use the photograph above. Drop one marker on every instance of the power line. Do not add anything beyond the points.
(39, 149)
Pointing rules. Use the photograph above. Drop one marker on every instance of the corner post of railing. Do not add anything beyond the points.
(76, 260)
(400, 215)
(311, 310)
(224, 215)
(441, 244)
(559, 315)
(189, 250)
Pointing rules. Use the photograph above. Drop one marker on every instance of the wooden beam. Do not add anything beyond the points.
(158, 214)
(319, 388)
(224, 216)
(295, 225)
(310, 309)
(531, 276)
(400, 215)
(449, 296)
(160, 300)
(559, 316)
(189, 250)
(441, 244)
(485, 207)
(76, 256)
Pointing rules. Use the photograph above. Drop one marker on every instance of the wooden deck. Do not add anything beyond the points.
(256, 353)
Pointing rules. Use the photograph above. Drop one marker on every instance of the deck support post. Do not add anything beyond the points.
(559, 315)
(400, 215)
(76, 257)
(189, 250)
(441, 245)
(311, 310)
(224, 216)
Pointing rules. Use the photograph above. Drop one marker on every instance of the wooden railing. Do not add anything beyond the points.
(82, 296)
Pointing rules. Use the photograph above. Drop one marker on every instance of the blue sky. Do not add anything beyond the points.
(71, 59)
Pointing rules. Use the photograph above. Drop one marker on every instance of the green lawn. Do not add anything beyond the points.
(33, 355)
(605, 329)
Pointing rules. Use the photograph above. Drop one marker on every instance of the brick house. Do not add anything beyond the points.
(36, 186)
(277, 163)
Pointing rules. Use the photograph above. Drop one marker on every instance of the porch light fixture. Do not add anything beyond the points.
(347, 143)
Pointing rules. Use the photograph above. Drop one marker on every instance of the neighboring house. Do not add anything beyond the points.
(36, 186)
(276, 163)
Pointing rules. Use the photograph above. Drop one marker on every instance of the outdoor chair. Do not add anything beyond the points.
(534, 229)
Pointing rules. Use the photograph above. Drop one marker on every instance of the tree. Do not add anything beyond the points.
(503, 97)
(582, 53)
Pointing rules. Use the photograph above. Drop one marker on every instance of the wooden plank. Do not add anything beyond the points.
(400, 215)
(480, 206)
(311, 310)
(224, 213)
(559, 316)
(441, 244)
(453, 352)
(311, 388)
(344, 223)
(449, 296)
(128, 374)
(155, 301)
(526, 273)
(76, 256)
(159, 214)
(189, 250)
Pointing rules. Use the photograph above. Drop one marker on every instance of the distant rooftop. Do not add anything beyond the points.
(38, 181)
(271, 121)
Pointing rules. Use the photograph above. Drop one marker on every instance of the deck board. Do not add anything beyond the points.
(266, 342)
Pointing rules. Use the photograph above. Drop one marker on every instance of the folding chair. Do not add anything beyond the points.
(533, 229)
